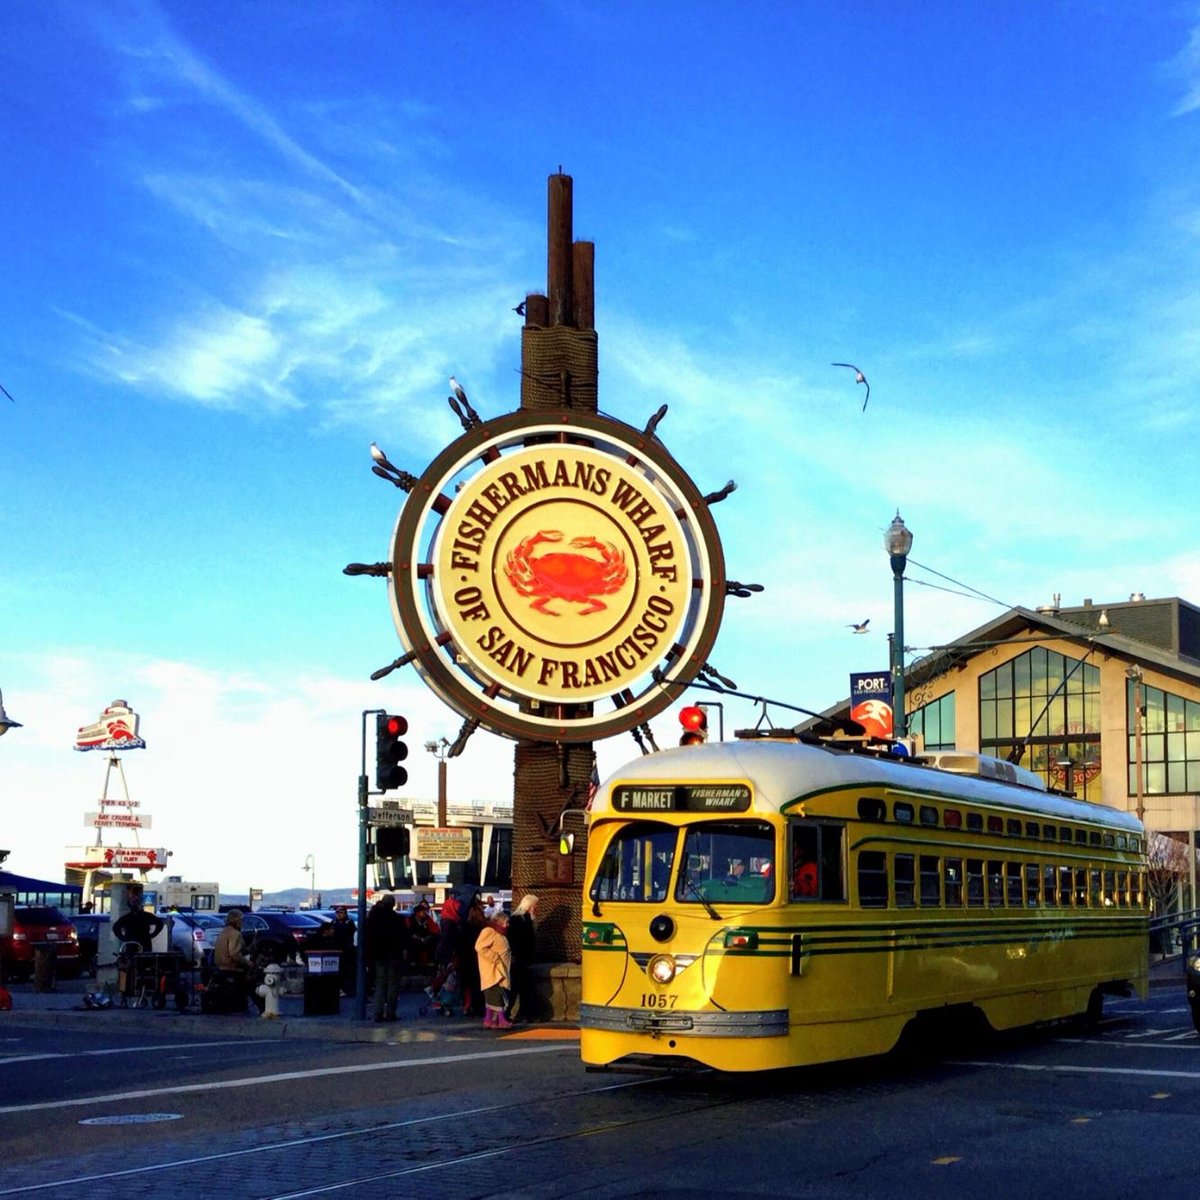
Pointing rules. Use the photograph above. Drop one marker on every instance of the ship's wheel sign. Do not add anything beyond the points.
(550, 572)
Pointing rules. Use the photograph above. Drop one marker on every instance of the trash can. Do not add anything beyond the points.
(322, 990)
(45, 966)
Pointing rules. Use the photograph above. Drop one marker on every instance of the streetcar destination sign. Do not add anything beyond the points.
(691, 797)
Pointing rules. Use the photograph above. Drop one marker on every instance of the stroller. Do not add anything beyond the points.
(445, 995)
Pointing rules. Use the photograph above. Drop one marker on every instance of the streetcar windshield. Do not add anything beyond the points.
(730, 861)
(637, 864)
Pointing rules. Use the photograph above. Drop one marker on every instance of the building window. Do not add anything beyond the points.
(1170, 742)
(1048, 704)
(935, 723)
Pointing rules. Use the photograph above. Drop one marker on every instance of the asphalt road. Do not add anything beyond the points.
(109, 1111)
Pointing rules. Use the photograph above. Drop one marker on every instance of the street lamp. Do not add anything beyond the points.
(310, 865)
(897, 541)
(6, 722)
(440, 749)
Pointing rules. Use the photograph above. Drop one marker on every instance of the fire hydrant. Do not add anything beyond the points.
(269, 990)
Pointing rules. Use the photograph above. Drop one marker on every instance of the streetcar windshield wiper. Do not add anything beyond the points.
(690, 886)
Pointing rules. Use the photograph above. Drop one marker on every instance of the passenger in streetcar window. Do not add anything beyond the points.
(804, 881)
(737, 869)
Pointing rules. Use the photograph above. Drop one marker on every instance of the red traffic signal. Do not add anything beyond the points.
(390, 751)
(694, 720)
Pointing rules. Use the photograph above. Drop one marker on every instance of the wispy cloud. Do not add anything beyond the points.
(1185, 67)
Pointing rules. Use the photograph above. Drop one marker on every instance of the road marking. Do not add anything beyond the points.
(316, 1139)
(23, 1058)
(283, 1077)
(1114, 1044)
(1065, 1069)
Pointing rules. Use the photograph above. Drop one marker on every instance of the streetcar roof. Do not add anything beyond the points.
(781, 772)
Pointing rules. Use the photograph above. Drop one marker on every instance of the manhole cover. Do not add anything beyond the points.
(132, 1119)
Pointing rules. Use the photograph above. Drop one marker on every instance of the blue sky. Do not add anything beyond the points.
(242, 241)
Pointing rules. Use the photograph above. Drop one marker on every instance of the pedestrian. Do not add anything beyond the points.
(424, 930)
(344, 931)
(387, 944)
(493, 957)
(468, 968)
(446, 954)
(138, 925)
(522, 939)
(232, 963)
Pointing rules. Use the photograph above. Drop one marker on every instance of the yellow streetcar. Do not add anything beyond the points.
(768, 903)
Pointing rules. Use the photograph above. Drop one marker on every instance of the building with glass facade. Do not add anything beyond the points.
(1102, 700)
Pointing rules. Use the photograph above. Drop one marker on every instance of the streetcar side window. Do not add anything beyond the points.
(872, 879)
(931, 882)
(1013, 879)
(954, 882)
(816, 861)
(974, 882)
(1050, 884)
(995, 882)
(904, 881)
(1064, 886)
(1032, 885)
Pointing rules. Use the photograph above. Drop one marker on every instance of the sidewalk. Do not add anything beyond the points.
(64, 1006)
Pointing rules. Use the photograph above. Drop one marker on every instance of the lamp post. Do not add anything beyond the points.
(310, 865)
(897, 541)
(6, 722)
(440, 749)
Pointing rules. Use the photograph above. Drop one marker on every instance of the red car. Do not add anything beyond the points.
(33, 924)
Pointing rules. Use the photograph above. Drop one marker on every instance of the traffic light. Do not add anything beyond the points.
(391, 841)
(390, 751)
(694, 720)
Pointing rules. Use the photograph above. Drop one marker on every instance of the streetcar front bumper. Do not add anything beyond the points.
(755, 1023)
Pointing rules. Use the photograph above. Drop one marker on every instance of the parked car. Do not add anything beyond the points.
(193, 934)
(34, 923)
(277, 936)
(87, 929)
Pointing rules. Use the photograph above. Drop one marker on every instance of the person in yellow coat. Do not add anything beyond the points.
(495, 971)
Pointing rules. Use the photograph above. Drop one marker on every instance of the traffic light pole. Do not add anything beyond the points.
(360, 958)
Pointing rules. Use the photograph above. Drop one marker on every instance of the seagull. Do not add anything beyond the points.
(863, 627)
(520, 309)
(859, 377)
(377, 454)
(456, 388)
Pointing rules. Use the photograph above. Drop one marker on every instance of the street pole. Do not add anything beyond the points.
(360, 957)
(897, 542)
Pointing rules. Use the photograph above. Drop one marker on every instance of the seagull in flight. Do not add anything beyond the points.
(859, 377)
(861, 628)
(520, 309)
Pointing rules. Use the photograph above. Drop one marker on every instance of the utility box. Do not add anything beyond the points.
(322, 983)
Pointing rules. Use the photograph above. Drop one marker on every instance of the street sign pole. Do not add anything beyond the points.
(360, 958)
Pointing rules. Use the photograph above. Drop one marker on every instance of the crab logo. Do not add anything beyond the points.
(875, 716)
(575, 578)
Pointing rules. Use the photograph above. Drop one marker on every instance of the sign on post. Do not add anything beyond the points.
(431, 844)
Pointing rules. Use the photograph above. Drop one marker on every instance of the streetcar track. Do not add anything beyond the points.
(492, 1110)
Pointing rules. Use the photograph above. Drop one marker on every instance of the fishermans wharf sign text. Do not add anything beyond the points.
(562, 572)
(553, 574)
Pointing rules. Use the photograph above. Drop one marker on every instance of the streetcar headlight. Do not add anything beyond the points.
(661, 968)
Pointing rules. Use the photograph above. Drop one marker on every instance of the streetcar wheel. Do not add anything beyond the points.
(1095, 1009)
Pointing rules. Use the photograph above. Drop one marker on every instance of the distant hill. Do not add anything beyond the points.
(291, 898)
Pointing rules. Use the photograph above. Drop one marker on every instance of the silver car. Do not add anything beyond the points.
(193, 935)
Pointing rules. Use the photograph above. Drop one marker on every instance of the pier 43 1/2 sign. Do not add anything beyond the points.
(557, 576)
